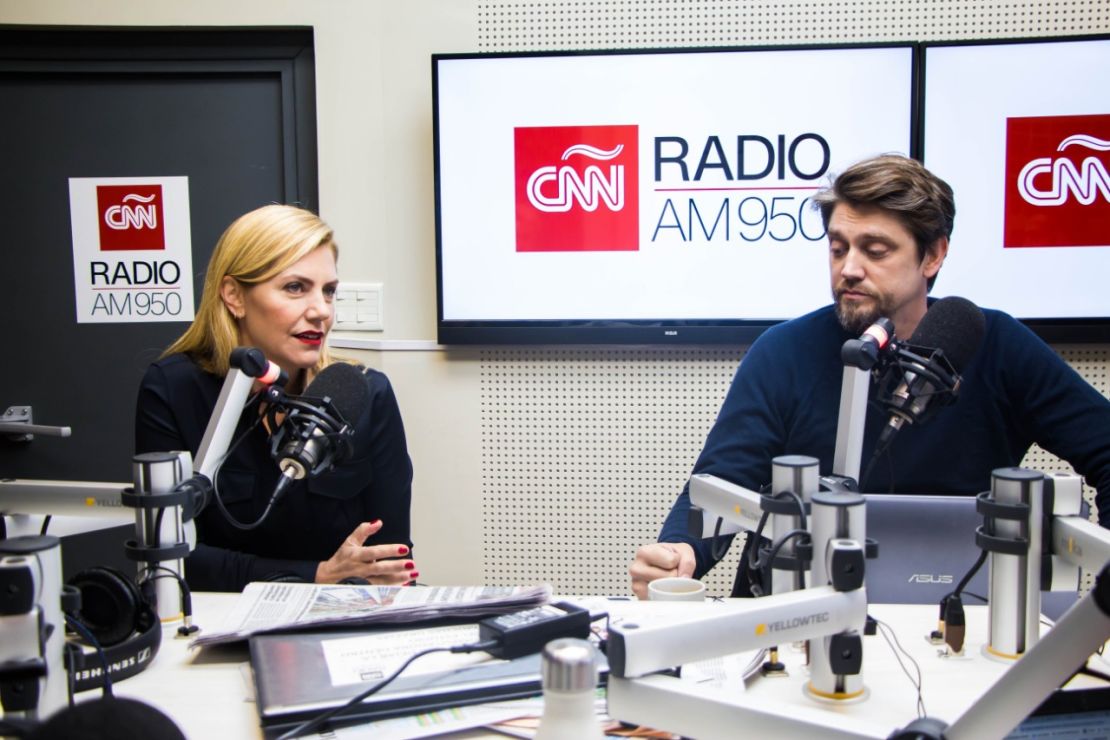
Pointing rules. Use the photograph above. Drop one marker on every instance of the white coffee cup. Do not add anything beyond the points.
(676, 589)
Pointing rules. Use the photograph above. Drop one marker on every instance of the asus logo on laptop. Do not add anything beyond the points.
(930, 578)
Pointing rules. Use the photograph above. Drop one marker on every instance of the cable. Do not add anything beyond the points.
(319, 720)
(45, 524)
(757, 535)
(881, 451)
(885, 452)
(187, 628)
(755, 568)
(896, 647)
(216, 475)
(952, 621)
(773, 553)
(799, 502)
(717, 552)
(970, 574)
(88, 636)
(755, 564)
(714, 552)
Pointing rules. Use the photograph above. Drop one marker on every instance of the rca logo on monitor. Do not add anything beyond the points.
(130, 217)
(577, 188)
(1057, 182)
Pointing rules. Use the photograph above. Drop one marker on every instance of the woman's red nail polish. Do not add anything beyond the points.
(402, 550)
(415, 574)
(409, 565)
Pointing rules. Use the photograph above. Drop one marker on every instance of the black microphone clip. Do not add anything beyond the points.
(311, 438)
(913, 375)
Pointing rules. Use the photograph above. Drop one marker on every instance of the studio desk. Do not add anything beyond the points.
(207, 692)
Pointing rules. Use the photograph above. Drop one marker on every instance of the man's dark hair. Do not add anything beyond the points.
(902, 187)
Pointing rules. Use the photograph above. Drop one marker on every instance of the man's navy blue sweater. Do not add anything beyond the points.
(785, 400)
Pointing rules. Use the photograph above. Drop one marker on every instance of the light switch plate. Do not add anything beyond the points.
(358, 307)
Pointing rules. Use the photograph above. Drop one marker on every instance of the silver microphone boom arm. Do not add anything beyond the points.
(750, 624)
(1080, 542)
(1073, 540)
(166, 495)
(16, 424)
(831, 614)
(854, 389)
(62, 498)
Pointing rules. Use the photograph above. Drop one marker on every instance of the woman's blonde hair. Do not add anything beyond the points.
(257, 246)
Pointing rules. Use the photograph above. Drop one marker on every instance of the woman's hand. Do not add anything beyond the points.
(381, 565)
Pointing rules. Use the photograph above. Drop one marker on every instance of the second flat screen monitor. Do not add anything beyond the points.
(1021, 130)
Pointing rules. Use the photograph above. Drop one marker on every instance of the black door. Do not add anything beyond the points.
(231, 111)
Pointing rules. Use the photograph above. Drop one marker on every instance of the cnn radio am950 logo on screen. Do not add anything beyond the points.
(1057, 181)
(577, 188)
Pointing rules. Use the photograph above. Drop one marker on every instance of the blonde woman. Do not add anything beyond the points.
(271, 284)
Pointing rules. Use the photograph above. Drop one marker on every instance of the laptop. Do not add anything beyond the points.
(926, 545)
(1076, 714)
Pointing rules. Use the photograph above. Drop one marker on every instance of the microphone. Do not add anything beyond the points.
(864, 352)
(930, 363)
(318, 425)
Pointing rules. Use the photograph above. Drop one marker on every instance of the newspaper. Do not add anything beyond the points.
(284, 607)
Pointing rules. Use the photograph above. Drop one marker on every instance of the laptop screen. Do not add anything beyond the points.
(1068, 715)
(926, 545)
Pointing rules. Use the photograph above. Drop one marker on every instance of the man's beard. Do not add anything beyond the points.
(855, 318)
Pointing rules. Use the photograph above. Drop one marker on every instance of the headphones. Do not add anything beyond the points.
(123, 619)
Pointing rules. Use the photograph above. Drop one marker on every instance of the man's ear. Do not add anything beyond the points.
(231, 293)
(934, 257)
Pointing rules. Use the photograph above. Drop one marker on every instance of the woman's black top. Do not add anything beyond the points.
(315, 515)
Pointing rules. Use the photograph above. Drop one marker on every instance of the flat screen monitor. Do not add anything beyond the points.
(648, 197)
(1021, 130)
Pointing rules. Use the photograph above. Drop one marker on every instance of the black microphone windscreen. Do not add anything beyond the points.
(955, 325)
(108, 718)
(344, 384)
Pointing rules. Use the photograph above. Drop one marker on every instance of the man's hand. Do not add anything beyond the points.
(660, 560)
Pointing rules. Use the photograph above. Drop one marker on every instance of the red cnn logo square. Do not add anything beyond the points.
(130, 217)
(1057, 186)
(577, 188)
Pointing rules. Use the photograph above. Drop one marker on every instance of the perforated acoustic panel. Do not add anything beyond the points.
(584, 450)
(508, 25)
(583, 453)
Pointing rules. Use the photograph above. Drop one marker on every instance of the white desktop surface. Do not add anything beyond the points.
(207, 692)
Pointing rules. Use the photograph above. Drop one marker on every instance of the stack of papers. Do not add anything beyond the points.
(283, 607)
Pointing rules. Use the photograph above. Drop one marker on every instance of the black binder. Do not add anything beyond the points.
(293, 681)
